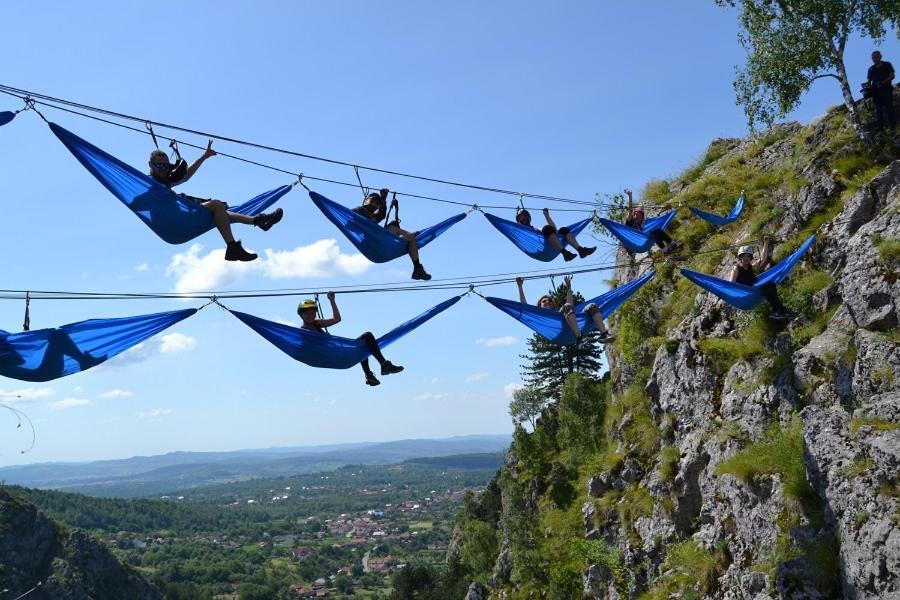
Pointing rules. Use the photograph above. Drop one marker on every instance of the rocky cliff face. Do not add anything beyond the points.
(69, 565)
(738, 457)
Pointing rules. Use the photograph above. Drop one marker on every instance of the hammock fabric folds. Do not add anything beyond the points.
(46, 354)
(328, 351)
(374, 241)
(531, 241)
(747, 297)
(550, 323)
(638, 240)
(173, 218)
(718, 220)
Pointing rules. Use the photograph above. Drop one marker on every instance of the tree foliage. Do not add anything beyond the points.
(791, 43)
(548, 364)
(526, 404)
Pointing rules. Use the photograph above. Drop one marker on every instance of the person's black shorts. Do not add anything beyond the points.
(549, 230)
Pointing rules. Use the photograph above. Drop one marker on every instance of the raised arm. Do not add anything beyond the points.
(520, 282)
(549, 220)
(760, 263)
(335, 313)
(630, 203)
(570, 297)
(193, 168)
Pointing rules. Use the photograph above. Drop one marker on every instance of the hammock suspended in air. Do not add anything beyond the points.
(173, 218)
(374, 241)
(6, 116)
(747, 297)
(638, 240)
(550, 324)
(718, 220)
(328, 351)
(45, 354)
(531, 241)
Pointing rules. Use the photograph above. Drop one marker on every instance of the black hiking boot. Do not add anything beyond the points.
(419, 273)
(372, 380)
(265, 221)
(606, 337)
(389, 368)
(584, 252)
(235, 251)
(568, 255)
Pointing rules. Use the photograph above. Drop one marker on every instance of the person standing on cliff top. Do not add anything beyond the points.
(881, 76)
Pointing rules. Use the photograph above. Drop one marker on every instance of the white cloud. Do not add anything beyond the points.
(194, 272)
(29, 394)
(174, 343)
(155, 413)
(510, 388)
(435, 380)
(496, 342)
(142, 267)
(430, 396)
(476, 377)
(117, 393)
(170, 343)
(68, 403)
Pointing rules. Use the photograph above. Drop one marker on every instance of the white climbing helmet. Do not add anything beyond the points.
(746, 250)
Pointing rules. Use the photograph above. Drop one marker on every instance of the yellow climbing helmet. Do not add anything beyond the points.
(306, 305)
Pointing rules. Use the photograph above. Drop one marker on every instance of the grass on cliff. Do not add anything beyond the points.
(690, 571)
(779, 451)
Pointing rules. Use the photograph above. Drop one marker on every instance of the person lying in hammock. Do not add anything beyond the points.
(59, 346)
(375, 209)
(307, 312)
(568, 310)
(549, 231)
(171, 175)
(635, 220)
(744, 272)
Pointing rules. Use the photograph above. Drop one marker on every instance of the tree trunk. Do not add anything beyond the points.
(850, 103)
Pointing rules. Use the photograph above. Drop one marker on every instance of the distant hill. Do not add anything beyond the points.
(153, 475)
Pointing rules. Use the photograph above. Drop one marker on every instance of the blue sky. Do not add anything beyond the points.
(567, 99)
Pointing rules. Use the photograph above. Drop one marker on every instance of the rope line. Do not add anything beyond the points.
(279, 169)
(51, 99)
(455, 283)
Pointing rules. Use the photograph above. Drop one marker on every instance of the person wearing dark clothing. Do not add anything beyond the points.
(171, 175)
(308, 312)
(549, 231)
(880, 78)
(375, 209)
(635, 220)
(744, 272)
(567, 310)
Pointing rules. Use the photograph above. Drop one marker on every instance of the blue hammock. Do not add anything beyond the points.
(551, 325)
(173, 218)
(6, 116)
(374, 241)
(718, 220)
(635, 240)
(328, 351)
(747, 297)
(46, 354)
(531, 241)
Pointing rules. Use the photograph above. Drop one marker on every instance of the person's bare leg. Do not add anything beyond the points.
(553, 240)
(221, 219)
(598, 322)
(239, 218)
(572, 322)
(411, 244)
(572, 241)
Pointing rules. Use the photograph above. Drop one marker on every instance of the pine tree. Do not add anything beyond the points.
(547, 364)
